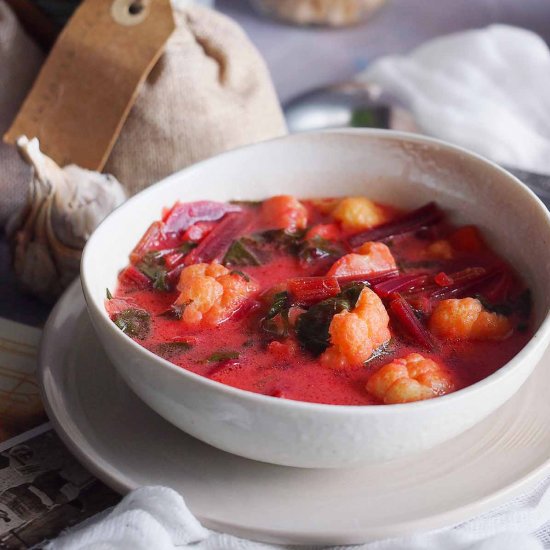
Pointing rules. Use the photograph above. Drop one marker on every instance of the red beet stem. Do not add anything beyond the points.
(428, 214)
(462, 281)
(404, 314)
(246, 309)
(173, 276)
(442, 279)
(154, 239)
(173, 259)
(499, 290)
(313, 289)
(404, 283)
(369, 278)
(214, 246)
(150, 238)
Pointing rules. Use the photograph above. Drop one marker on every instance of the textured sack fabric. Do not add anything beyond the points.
(209, 92)
(20, 60)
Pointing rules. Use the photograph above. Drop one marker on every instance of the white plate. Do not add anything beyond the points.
(126, 445)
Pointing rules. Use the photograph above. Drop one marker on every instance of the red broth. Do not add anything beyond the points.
(248, 350)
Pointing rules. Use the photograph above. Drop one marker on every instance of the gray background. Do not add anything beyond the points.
(304, 58)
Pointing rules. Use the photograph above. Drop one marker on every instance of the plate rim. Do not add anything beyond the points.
(111, 475)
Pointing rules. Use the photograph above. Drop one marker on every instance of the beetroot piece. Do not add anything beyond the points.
(173, 259)
(403, 312)
(214, 246)
(184, 215)
(422, 217)
(371, 280)
(442, 279)
(463, 282)
(173, 276)
(307, 290)
(246, 309)
(133, 277)
(403, 283)
(155, 239)
(455, 284)
(150, 239)
(198, 231)
(499, 289)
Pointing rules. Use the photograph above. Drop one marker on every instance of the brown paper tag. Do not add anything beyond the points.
(89, 82)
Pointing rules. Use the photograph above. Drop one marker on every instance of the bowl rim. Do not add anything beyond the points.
(540, 337)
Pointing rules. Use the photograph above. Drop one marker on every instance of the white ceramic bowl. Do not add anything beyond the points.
(395, 168)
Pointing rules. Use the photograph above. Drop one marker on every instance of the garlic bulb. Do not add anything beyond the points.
(335, 13)
(64, 206)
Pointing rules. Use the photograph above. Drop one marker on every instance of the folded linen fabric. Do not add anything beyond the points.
(487, 90)
(157, 517)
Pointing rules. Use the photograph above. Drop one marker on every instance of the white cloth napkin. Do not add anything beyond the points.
(157, 518)
(487, 90)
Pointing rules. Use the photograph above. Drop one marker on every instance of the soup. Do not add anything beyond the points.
(339, 301)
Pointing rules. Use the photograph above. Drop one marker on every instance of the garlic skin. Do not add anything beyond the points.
(82, 201)
(64, 206)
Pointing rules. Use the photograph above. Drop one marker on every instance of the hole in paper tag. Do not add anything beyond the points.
(130, 12)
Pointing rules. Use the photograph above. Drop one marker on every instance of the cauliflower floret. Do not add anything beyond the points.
(285, 212)
(355, 334)
(357, 213)
(371, 257)
(411, 378)
(210, 293)
(465, 319)
(200, 270)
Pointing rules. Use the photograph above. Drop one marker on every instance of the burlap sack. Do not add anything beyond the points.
(20, 60)
(209, 92)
